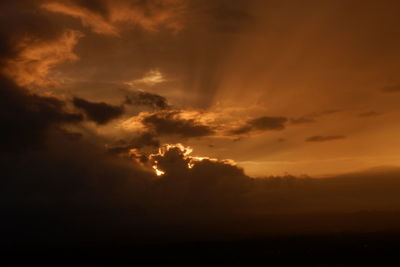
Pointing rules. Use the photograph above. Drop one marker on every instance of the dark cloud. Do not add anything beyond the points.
(99, 112)
(76, 191)
(321, 138)
(26, 117)
(261, 124)
(171, 123)
(93, 194)
(209, 186)
(391, 89)
(72, 181)
(147, 99)
(369, 114)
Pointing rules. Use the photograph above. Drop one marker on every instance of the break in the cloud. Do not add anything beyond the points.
(142, 98)
(99, 112)
(261, 124)
(36, 58)
(324, 138)
(172, 122)
(150, 15)
(391, 89)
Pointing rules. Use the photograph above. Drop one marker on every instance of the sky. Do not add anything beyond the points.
(147, 104)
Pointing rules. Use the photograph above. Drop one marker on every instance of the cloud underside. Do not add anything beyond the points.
(170, 123)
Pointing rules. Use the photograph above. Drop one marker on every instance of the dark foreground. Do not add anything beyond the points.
(367, 249)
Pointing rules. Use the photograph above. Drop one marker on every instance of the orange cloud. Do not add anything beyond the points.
(149, 15)
(36, 58)
(151, 78)
(90, 19)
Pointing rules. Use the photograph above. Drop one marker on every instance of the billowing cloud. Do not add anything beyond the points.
(147, 99)
(36, 58)
(261, 124)
(324, 138)
(99, 112)
(149, 15)
(171, 122)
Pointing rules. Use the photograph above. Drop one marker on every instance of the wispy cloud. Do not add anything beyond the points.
(324, 138)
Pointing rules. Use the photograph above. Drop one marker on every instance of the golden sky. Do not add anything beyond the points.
(308, 87)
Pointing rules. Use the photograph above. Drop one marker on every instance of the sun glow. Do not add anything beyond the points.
(185, 152)
(158, 172)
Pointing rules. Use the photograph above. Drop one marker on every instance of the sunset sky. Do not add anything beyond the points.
(329, 69)
(207, 89)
